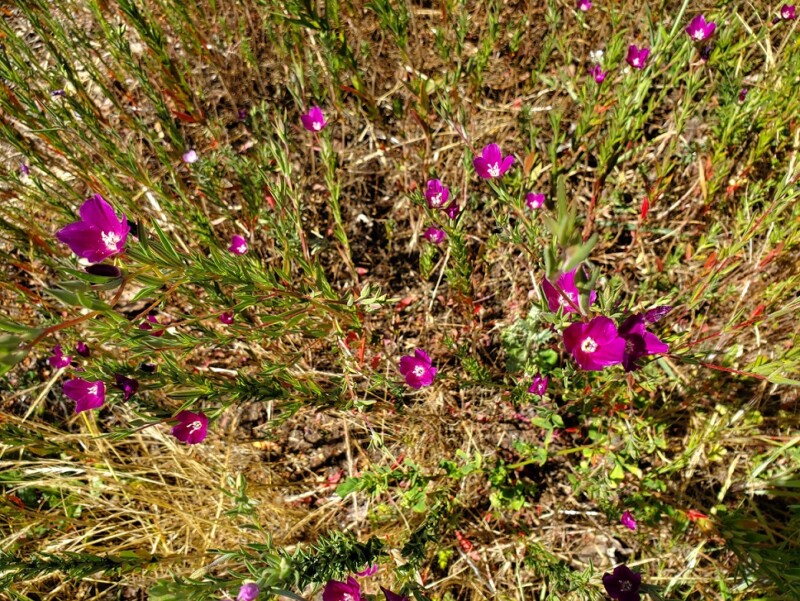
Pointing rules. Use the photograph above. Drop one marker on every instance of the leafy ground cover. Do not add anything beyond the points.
(461, 299)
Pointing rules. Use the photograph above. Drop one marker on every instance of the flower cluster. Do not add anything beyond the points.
(350, 590)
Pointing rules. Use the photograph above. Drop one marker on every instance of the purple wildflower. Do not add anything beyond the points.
(128, 386)
(596, 344)
(248, 592)
(226, 318)
(82, 349)
(534, 201)
(491, 164)
(598, 73)
(87, 395)
(370, 570)
(59, 360)
(99, 233)
(628, 520)
(656, 313)
(238, 245)
(623, 584)
(539, 385)
(313, 120)
(584, 5)
(699, 29)
(434, 235)
(743, 94)
(788, 12)
(147, 325)
(638, 341)
(566, 281)
(342, 591)
(242, 114)
(190, 156)
(417, 369)
(436, 194)
(24, 170)
(390, 596)
(637, 58)
(453, 210)
(58, 93)
(191, 428)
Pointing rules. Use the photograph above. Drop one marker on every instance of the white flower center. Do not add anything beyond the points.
(195, 426)
(698, 34)
(110, 239)
(317, 125)
(563, 301)
(92, 390)
(436, 200)
(419, 371)
(589, 345)
(635, 62)
(242, 248)
(625, 585)
(494, 170)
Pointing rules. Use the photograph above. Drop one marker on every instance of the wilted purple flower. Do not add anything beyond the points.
(148, 368)
(87, 395)
(434, 235)
(743, 94)
(539, 385)
(534, 201)
(594, 345)
(58, 93)
(638, 341)
(99, 233)
(313, 120)
(104, 270)
(82, 349)
(128, 386)
(417, 369)
(788, 12)
(226, 318)
(342, 591)
(705, 52)
(491, 163)
(436, 194)
(656, 313)
(637, 58)
(59, 360)
(584, 5)
(699, 29)
(566, 281)
(453, 210)
(623, 584)
(242, 114)
(147, 325)
(190, 156)
(628, 520)
(24, 170)
(370, 570)
(191, 428)
(598, 73)
(238, 245)
(390, 596)
(248, 592)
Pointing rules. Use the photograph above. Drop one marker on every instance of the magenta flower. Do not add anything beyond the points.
(342, 591)
(637, 58)
(539, 385)
(59, 360)
(534, 201)
(628, 520)
(788, 12)
(699, 29)
(248, 592)
(99, 233)
(313, 120)
(491, 164)
(434, 235)
(87, 395)
(638, 341)
(82, 349)
(24, 170)
(743, 94)
(594, 345)
(436, 194)
(226, 318)
(390, 596)
(370, 570)
(128, 386)
(566, 282)
(191, 428)
(147, 326)
(584, 5)
(190, 156)
(598, 73)
(238, 245)
(623, 584)
(417, 369)
(453, 210)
